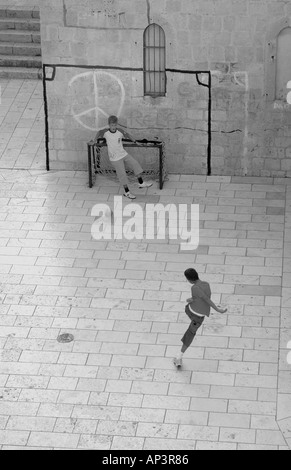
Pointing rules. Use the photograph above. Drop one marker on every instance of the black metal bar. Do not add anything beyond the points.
(129, 143)
(154, 54)
(164, 64)
(46, 119)
(131, 69)
(98, 157)
(90, 165)
(209, 150)
(97, 67)
(51, 79)
(209, 146)
(144, 62)
(160, 62)
(200, 83)
(191, 72)
(161, 171)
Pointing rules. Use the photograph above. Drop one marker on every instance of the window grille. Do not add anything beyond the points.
(154, 61)
(283, 66)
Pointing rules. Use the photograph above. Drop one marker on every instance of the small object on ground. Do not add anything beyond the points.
(177, 362)
(65, 338)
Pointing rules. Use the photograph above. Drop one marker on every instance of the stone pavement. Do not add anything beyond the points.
(114, 386)
(21, 124)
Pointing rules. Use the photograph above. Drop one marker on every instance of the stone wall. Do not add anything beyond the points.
(19, 3)
(234, 39)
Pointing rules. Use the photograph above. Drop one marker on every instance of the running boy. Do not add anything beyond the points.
(197, 308)
(119, 157)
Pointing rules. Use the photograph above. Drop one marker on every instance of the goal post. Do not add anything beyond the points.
(153, 163)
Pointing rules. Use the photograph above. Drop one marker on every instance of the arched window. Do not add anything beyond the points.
(154, 61)
(283, 65)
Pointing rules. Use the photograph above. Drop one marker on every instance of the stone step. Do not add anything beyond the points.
(20, 73)
(20, 61)
(17, 48)
(19, 36)
(28, 24)
(19, 12)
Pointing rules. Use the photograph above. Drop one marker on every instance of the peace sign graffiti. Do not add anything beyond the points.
(104, 90)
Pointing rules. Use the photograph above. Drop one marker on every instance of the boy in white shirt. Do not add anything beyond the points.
(119, 157)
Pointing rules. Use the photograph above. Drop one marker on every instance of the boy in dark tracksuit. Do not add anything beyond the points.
(197, 308)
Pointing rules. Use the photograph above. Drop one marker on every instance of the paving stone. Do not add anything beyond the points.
(224, 354)
(137, 374)
(238, 367)
(257, 447)
(206, 433)
(151, 401)
(36, 424)
(197, 418)
(251, 407)
(82, 426)
(27, 382)
(96, 412)
(262, 381)
(246, 436)
(59, 440)
(163, 431)
(241, 393)
(203, 445)
(169, 444)
(8, 437)
(127, 443)
(125, 399)
(143, 415)
(39, 396)
(270, 438)
(154, 388)
(264, 422)
(209, 404)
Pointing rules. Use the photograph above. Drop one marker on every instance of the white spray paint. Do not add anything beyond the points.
(94, 75)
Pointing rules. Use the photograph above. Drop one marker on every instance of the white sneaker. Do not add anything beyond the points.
(129, 195)
(146, 184)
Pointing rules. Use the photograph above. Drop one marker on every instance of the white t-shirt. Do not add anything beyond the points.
(115, 147)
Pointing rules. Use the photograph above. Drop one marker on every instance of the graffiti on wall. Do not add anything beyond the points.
(96, 95)
(94, 14)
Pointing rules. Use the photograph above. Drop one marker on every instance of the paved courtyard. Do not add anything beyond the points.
(114, 386)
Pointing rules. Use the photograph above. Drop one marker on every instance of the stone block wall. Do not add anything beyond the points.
(232, 39)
